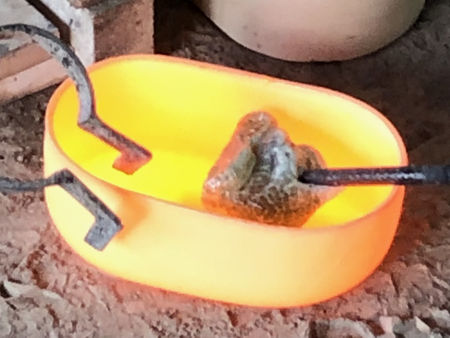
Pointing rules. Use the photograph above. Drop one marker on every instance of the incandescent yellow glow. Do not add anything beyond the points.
(184, 112)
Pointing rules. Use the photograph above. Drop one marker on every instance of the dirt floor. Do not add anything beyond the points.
(47, 291)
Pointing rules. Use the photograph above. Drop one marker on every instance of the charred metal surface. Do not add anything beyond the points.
(408, 175)
(9, 185)
(106, 225)
(63, 29)
(133, 156)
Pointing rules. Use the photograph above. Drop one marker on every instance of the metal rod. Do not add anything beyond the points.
(106, 224)
(408, 175)
(133, 156)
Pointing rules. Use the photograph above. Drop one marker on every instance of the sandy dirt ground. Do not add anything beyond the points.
(47, 291)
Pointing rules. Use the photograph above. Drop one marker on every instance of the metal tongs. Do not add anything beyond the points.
(133, 156)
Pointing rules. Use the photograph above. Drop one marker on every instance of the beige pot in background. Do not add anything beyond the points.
(313, 30)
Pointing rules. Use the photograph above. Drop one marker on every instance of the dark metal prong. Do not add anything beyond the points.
(106, 224)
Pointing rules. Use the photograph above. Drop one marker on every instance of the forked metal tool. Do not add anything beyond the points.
(132, 157)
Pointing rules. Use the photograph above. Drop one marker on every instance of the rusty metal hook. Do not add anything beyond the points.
(133, 156)
(106, 225)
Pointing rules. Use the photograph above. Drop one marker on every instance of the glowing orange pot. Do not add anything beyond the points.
(184, 112)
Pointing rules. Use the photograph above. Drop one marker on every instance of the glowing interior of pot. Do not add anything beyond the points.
(186, 115)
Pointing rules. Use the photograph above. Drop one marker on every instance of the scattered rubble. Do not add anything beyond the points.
(342, 327)
(441, 318)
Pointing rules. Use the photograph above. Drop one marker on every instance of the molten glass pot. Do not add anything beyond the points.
(185, 112)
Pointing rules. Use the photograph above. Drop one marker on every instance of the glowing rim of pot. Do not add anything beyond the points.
(396, 190)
